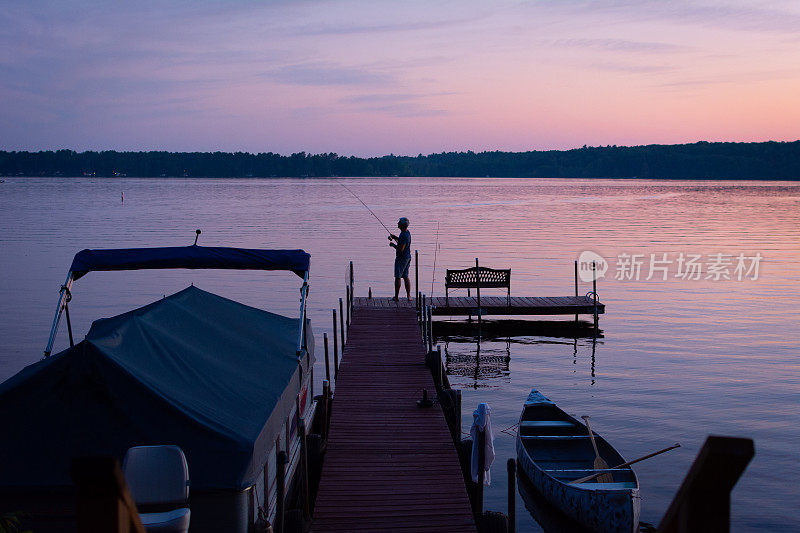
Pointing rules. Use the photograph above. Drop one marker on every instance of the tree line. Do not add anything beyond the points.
(701, 160)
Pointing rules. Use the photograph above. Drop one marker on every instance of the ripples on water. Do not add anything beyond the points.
(678, 360)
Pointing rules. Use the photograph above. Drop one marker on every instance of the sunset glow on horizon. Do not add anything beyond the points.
(373, 78)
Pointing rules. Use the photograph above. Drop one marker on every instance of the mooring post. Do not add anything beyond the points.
(280, 483)
(327, 359)
(352, 279)
(326, 394)
(478, 288)
(458, 414)
(576, 286)
(335, 349)
(481, 471)
(416, 271)
(424, 325)
(301, 428)
(347, 293)
(430, 328)
(370, 293)
(417, 305)
(341, 323)
(511, 466)
(441, 366)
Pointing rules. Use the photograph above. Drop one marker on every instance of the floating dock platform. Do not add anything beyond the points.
(493, 305)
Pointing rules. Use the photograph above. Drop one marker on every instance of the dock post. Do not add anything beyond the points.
(417, 305)
(327, 359)
(370, 293)
(301, 429)
(441, 366)
(347, 294)
(576, 286)
(458, 414)
(594, 290)
(703, 501)
(326, 395)
(335, 349)
(424, 325)
(341, 322)
(280, 483)
(478, 511)
(511, 466)
(478, 288)
(430, 328)
(416, 271)
(351, 276)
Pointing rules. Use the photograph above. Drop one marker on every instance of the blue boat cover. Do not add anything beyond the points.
(195, 256)
(215, 377)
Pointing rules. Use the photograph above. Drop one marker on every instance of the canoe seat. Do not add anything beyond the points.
(531, 424)
(617, 485)
(553, 437)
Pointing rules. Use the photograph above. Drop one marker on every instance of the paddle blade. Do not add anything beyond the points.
(600, 464)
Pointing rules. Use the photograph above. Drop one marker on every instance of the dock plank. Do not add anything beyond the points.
(389, 465)
(494, 305)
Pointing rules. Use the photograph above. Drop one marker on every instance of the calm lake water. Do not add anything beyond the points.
(678, 359)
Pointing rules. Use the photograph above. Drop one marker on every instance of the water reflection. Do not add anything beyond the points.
(481, 354)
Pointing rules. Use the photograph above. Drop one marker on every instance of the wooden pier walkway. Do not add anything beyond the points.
(495, 305)
(389, 465)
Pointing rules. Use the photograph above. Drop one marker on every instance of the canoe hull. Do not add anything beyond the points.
(598, 510)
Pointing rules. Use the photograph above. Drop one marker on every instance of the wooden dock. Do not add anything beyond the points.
(389, 465)
(494, 305)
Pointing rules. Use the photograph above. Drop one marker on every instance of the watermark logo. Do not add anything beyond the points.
(665, 266)
(591, 266)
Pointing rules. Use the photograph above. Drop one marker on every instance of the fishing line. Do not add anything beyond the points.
(435, 253)
(365, 205)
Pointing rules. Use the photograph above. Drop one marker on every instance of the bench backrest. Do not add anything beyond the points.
(471, 278)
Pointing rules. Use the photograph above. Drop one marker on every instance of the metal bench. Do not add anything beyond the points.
(478, 278)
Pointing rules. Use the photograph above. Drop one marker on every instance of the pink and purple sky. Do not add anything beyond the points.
(404, 77)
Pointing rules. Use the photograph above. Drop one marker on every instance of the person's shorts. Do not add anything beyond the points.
(401, 265)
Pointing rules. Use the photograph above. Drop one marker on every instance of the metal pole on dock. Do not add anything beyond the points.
(327, 359)
(335, 349)
(326, 395)
(478, 288)
(594, 290)
(441, 366)
(458, 414)
(280, 483)
(352, 279)
(341, 323)
(301, 428)
(511, 466)
(347, 293)
(576, 286)
(416, 271)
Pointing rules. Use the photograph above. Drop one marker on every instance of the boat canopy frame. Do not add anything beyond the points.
(189, 257)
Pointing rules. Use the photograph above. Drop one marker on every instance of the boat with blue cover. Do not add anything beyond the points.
(554, 450)
(226, 382)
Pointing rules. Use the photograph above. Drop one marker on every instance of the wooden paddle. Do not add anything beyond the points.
(599, 463)
(629, 463)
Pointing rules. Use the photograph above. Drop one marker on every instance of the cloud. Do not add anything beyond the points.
(620, 45)
(326, 74)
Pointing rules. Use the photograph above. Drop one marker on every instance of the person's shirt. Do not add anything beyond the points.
(404, 239)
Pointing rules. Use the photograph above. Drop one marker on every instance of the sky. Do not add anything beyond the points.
(405, 77)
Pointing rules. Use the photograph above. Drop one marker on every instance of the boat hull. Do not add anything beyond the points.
(598, 510)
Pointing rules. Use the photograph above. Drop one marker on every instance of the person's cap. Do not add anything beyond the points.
(402, 222)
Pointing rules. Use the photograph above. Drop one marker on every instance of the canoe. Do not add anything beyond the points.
(553, 448)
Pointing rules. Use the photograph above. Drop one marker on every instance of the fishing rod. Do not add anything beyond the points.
(365, 205)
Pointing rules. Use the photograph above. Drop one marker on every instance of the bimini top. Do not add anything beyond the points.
(194, 256)
(216, 377)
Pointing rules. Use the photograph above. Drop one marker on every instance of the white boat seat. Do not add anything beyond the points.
(159, 476)
(545, 424)
(617, 485)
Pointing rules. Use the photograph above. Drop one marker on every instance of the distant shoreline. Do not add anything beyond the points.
(697, 161)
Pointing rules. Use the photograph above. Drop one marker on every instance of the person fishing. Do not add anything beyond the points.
(402, 261)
